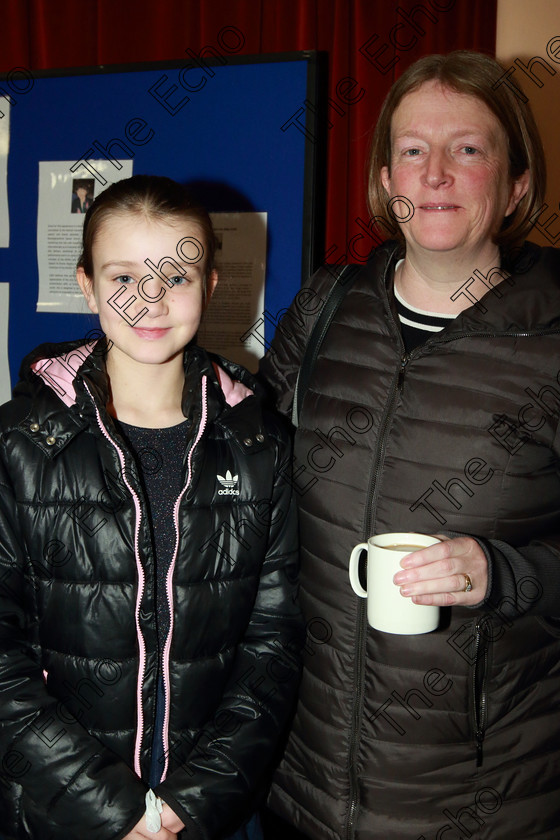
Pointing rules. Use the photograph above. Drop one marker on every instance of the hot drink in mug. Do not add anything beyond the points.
(387, 609)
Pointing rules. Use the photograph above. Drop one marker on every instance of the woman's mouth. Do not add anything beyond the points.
(439, 207)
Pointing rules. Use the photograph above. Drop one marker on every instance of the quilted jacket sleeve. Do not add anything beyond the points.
(235, 753)
(523, 579)
(54, 776)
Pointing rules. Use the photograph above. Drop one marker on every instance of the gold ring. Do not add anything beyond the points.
(468, 583)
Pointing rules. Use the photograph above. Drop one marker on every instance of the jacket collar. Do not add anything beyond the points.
(61, 406)
(527, 301)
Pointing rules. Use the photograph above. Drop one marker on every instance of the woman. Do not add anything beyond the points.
(433, 408)
(148, 625)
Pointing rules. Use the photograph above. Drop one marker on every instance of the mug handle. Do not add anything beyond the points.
(353, 569)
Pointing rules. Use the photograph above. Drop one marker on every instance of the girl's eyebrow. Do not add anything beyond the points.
(120, 263)
(132, 264)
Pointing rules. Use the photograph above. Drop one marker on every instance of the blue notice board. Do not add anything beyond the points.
(246, 138)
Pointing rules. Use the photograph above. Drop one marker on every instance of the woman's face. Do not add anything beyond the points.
(449, 158)
(148, 320)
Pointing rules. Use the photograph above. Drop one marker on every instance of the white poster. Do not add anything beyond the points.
(64, 198)
(5, 387)
(4, 149)
(239, 297)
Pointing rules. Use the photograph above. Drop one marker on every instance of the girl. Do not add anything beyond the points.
(148, 630)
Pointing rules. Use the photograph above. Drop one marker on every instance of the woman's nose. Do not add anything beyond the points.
(437, 171)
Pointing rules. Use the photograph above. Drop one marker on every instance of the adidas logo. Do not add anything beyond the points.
(228, 481)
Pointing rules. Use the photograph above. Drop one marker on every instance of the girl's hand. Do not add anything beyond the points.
(140, 832)
(438, 575)
(170, 820)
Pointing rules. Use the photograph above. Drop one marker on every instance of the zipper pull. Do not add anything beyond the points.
(479, 740)
(400, 381)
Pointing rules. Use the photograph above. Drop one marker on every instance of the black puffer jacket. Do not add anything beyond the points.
(455, 733)
(78, 644)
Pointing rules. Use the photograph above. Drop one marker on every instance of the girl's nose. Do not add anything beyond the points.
(152, 292)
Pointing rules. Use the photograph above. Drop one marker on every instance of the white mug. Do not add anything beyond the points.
(387, 609)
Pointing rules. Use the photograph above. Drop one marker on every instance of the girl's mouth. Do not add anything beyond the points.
(151, 333)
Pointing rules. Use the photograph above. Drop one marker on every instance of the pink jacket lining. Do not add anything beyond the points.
(59, 374)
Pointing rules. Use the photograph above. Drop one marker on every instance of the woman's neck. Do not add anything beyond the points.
(148, 396)
(444, 282)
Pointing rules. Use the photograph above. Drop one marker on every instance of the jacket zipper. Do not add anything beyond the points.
(434, 342)
(361, 623)
(400, 381)
(479, 691)
(141, 581)
(169, 581)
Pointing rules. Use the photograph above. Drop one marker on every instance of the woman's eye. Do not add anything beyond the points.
(124, 279)
(412, 152)
(470, 150)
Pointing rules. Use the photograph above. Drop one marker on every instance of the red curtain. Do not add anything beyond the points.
(368, 44)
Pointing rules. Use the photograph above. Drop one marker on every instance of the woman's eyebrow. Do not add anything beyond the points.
(471, 131)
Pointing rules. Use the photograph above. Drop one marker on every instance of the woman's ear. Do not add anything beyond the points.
(211, 284)
(386, 179)
(86, 285)
(519, 187)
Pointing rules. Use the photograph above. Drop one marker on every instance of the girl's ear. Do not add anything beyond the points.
(210, 286)
(86, 286)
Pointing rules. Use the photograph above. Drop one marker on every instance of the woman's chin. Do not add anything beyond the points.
(440, 240)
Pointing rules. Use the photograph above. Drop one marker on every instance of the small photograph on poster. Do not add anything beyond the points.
(82, 194)
(239, 297)
(4, 149)
(5, 386)
(64, 198)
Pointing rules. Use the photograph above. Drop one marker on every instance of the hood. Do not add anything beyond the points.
(233, 390)
(59, 371)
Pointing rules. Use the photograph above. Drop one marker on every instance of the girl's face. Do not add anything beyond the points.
(147, 286)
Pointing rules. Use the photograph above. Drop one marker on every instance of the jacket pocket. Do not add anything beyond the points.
(479, 687)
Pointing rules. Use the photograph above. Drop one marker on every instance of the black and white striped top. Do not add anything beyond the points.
(417, 325)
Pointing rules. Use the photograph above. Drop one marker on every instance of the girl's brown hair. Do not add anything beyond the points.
(155, 197)
(476, 75)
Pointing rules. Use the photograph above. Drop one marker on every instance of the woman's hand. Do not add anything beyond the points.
(438, 575)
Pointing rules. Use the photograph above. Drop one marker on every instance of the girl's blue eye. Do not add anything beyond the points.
(124, 279)
(178, 279)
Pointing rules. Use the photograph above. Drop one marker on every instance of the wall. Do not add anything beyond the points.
(528, 31)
